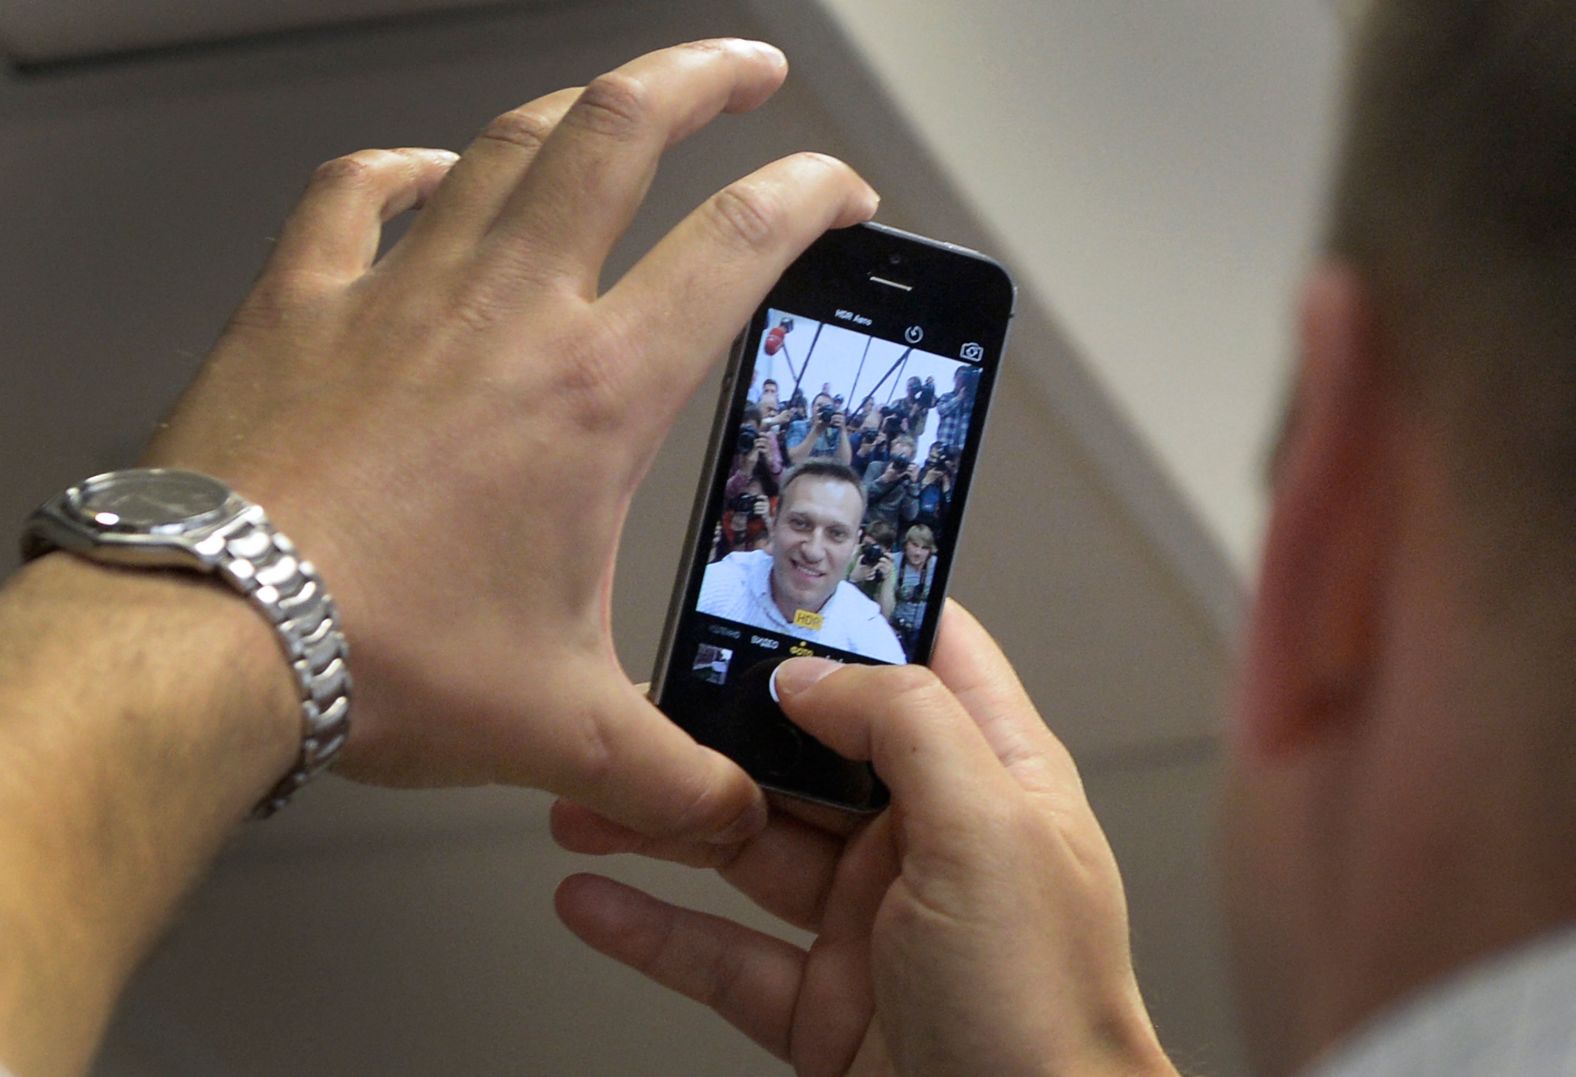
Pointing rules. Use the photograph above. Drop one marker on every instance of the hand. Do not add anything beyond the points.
(419, 425)
(864, 571)
(838, 421)
(763, 506)
(977, 926)
(761, 447)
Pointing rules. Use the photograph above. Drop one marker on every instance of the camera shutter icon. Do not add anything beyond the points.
(972, 352)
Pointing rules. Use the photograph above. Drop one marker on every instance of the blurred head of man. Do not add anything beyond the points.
(1403, 775)
(814, 534)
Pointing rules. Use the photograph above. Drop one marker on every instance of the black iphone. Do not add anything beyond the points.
(829, 513)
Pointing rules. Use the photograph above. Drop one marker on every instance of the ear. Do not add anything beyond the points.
(1311, 637)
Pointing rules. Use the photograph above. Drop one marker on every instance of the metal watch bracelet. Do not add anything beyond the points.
(261, 563)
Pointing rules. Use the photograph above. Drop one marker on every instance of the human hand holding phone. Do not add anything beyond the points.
(977, 926)
(472, 583)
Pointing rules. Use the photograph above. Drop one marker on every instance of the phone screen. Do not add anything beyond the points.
(830, 518)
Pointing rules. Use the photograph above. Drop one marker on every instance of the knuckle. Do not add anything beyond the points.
(351, 169)
(591, 383)
(592, 761)
(280, 298)
(708, 46)
(909, 682)
(523, 127)
(729, 985)
(616, 104)
(826, 162)
(744, 216)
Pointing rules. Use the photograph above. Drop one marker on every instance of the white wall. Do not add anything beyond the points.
(1153, 171)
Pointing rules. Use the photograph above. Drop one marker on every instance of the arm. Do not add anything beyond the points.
(887, 597)
(738, 479)
(141, 713)
(845, 451)
(909, 507)
(800, 450)
(877, 481)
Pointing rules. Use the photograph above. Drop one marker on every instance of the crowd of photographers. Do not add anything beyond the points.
(908, 499)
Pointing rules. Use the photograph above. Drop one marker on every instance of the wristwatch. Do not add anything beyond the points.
(164, 518)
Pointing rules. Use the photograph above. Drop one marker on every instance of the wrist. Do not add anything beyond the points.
(1122, 1044)
(175, 647)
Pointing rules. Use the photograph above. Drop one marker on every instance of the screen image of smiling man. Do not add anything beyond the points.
(797, 586)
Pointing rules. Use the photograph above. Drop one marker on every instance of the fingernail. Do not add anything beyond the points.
(749, 823)
(872, 202)
(798, 674)
(770, 52)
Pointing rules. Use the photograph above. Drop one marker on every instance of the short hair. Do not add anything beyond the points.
(1455, 198)
(769, 381)
(882, 532)
(920, 534)
(908, 438)
(822, 468)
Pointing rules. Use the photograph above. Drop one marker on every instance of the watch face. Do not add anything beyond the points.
(149, 499)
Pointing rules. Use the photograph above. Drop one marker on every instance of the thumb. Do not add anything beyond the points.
(620, 756)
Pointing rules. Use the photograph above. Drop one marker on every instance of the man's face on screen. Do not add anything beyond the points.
(813, 539)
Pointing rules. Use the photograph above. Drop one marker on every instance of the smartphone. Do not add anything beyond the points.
(830, 508)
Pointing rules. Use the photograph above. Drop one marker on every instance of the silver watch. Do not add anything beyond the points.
(163, 518)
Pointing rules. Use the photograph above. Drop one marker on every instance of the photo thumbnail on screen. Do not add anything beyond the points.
(836, 511)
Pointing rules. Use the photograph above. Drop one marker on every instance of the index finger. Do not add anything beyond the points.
(970, 663)
(696, 288)
(592, 172)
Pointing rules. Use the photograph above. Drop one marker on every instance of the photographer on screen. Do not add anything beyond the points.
(745, 525)
(873, 440)
(892, 485)
(956, 409)
(934, 502)
(915, 406)
(872, 569)
(915, 572)
(756, 455)
(823, 435)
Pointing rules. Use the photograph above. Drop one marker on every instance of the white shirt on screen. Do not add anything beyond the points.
(738, 587)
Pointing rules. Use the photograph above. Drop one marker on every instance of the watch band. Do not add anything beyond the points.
(263, 565)
(170, 518)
